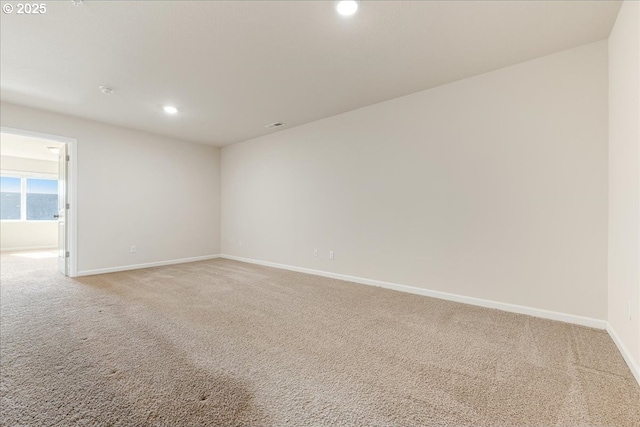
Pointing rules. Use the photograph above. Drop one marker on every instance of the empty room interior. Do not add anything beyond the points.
(310, 213)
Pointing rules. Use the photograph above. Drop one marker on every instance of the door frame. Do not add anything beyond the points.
(71, 222)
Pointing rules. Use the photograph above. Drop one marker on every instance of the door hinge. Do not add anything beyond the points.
(67, 205)
(68, 157)
(66, 254)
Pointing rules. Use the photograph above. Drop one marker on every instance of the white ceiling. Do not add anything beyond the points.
(27, 147)
(233, 67)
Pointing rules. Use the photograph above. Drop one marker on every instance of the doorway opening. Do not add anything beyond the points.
(37, 204)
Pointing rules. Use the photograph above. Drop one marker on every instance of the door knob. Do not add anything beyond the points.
(56, 216)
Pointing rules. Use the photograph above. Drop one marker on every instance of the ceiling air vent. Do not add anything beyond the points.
(274, 125)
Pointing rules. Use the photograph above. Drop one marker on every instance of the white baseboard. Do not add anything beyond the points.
(626, 354)
(513, 308)
(29, 248)
(146, 265)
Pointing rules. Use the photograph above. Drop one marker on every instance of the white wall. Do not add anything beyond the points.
(134, 188)
(19, 164)
(492, 187)
(23, 235)
(624, 179)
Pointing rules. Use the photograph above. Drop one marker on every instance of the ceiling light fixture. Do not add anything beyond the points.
(106, 90)
(77, 2)
(347, 7)
(169, 109)
(54, 150)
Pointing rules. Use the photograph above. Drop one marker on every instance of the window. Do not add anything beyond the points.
(10, 197)
(42, 199)
(30, 199)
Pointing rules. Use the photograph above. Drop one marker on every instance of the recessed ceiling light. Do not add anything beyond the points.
(106, 90)
(170, 109)
(347, 7)
(77, 2)
(54, 150)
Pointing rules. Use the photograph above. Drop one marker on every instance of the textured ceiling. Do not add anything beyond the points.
(234, 67)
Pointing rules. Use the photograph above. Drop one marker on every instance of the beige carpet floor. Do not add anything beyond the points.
(225, 343)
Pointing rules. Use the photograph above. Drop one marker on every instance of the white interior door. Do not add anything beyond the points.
(63, 241)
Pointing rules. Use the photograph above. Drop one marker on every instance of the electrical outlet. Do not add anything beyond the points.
(133, 249)
(315, 252)
(330, 254)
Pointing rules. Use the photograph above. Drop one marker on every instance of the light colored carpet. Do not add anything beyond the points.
(225, 343)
